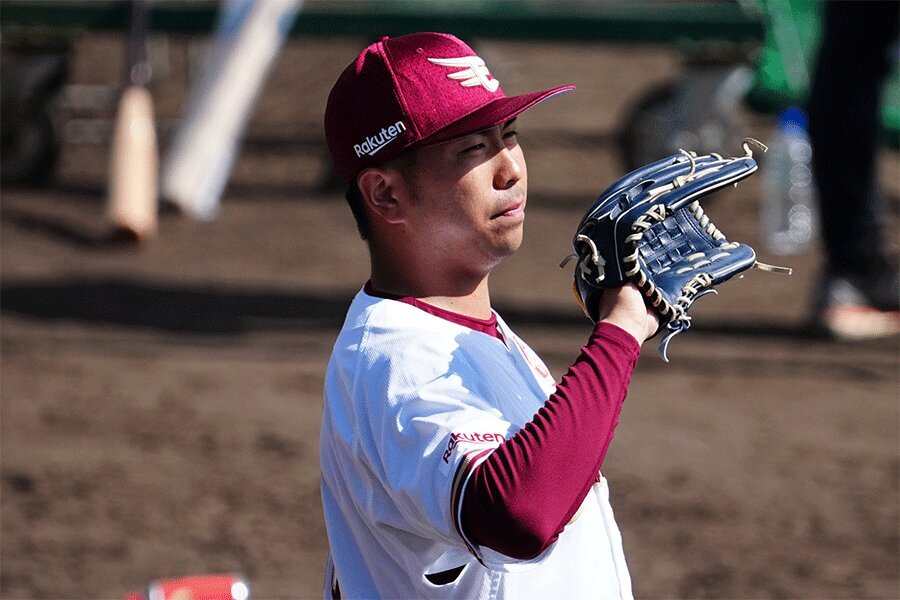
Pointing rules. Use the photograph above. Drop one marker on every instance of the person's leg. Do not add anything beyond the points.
(860, 291)
(844, 122)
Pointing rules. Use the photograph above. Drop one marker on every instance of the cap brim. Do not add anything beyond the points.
(492, 114)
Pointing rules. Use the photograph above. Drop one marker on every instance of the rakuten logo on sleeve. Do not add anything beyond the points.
(470, 438)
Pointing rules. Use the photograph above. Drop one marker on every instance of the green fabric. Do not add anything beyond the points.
(787, 58)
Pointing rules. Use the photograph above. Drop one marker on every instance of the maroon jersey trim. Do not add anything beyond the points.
(488, 326)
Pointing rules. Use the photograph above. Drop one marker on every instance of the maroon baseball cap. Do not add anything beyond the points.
(410, 91)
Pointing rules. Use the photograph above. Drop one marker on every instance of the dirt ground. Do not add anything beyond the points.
(160, 406)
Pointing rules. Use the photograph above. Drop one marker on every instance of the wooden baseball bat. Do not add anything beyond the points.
(249, 36)
(132, 203)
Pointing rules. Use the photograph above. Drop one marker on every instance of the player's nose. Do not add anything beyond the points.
(509, 170)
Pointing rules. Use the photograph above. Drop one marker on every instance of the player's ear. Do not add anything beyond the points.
(385, 193)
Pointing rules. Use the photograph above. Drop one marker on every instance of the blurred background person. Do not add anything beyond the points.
(858, 292)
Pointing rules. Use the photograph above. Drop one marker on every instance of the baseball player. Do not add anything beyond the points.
(453, 465)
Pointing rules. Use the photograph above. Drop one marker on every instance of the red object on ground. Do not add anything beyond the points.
(195, 587)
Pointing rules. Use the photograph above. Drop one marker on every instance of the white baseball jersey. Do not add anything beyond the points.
(413, 403)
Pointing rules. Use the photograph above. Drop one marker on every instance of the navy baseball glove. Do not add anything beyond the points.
(648, 228)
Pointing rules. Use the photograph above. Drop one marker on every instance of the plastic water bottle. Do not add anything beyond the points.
(789, 218)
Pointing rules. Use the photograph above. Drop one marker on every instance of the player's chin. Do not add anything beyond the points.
(511, 238)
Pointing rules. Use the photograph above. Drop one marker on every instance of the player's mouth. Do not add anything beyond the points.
(515, 210)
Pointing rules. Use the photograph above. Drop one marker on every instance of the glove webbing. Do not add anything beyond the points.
(676, 311)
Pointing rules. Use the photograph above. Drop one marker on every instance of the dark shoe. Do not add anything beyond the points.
(859, 307)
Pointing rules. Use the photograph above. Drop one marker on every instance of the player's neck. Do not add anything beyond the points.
(475, 304)
(467, 296)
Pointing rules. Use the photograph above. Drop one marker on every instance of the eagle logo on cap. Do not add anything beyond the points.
(474, 72)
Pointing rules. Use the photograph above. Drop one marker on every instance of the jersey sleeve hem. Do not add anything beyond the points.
(460, 480)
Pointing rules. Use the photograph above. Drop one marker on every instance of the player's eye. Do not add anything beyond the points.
(474, 148)
(510, 134)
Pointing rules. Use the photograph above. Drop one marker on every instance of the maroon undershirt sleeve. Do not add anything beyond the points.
(520, 498)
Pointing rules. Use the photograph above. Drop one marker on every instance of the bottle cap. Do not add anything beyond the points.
(793, 116)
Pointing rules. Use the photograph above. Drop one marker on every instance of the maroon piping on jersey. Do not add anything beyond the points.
(488, 326)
